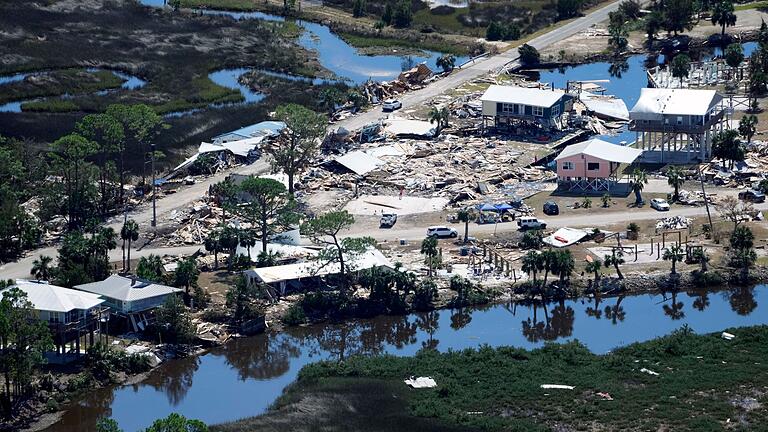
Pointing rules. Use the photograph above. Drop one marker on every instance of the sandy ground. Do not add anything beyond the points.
(586, 42)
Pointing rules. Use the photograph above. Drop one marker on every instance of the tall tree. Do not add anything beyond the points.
(173, 322)
(734, 210)
(69, 155)
(673, 254)
(723, 15)
(465, 215)
(331, 97)
(326, 230)
(617, 31)
(224, 192)
(431, 253)
(141, 125)
(212, 243)
(108, 136)
(128, 233)
(23, 340)
(678, 15)
(594, 267)
(186, 274)
(615, 259)
(299, 142)
(727, 146)
(269, 207)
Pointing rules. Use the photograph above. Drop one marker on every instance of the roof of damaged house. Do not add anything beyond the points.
(414, 128)
(359, 162)
(262, 128)
(602, 150)
(46, 297)
(369, 259)
(656, 102)
(522, 95)
(127, 288)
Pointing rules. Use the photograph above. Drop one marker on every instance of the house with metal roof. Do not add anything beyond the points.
(130, 295)
(509, 106)
(69, 313)
(592, 166)
(677, 125)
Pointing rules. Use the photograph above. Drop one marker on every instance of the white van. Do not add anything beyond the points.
(529, 222)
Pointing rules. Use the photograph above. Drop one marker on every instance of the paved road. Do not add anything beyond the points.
(370, 227)
(187, 195)
(482, 67)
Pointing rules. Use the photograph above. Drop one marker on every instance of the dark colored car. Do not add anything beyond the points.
(551, 208)
(752, 195)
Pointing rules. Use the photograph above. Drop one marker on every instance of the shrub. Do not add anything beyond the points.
(294, 315)
(529, 55)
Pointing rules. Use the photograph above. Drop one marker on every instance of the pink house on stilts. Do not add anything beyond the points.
(592, 166)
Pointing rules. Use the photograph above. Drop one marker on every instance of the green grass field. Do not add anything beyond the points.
(704, 383)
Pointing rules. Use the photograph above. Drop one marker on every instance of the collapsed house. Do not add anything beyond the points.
(592, 166)
(511, 106)
(298, 276)
(243, 144)
(676, 125)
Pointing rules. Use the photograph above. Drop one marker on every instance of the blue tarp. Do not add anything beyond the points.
(503, 207)
(487, 207)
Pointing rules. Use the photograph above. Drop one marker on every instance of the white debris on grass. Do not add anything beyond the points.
(649, 372)
(728, 336)
(420, 382)
(557, 386)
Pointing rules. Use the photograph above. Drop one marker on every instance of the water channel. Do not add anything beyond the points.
(130, 82)
(245, 376)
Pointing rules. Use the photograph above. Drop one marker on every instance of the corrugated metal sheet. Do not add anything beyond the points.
(46, 297)
(127, 289)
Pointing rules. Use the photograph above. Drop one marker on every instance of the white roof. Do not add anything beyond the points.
(606, 106)
(410, 127)
(565, 237)
(127, 289)
(603, 150)
(54, 298)
(522, 95)
(360, 163)
(654, 102)
(371, 258)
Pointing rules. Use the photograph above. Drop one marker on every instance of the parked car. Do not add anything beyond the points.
(526, 223)
(387, 220)
(391, 105)
(551, 208)
(441, 231)
(752, 195)
(660, 204)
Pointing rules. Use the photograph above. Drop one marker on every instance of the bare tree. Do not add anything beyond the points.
(734, 210)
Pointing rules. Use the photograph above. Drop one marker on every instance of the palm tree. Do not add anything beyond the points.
(594, 267)
(676, 179)
(465, 215)
(430, 251)
(186, 274)
(130, 233)
(641, 179)
(212, 243)
(41, 268)
(531, 264)
(748, 127)
(674, 254)
(701, 256)
(565, 265)
(615, 259)
(547, 262)
(440, 116)
(723, 14)
(329, 98)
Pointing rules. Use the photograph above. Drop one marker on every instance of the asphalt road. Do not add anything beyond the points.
(482, 67)
(189, 194)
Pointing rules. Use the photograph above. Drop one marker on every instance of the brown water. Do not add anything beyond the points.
(244, 377)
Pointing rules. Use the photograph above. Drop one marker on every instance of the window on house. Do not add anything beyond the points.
(593, 166)
(567, 165)
(507, 108)
(555, 110)
(538, 111)
(679, 120)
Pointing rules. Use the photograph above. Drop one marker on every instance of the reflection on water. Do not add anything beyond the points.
(246, 376)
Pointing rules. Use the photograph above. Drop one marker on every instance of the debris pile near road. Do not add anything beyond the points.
(673, 223)
(694, 198)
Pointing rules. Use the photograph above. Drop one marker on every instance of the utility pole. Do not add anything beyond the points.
(706, 201)
(154, 192)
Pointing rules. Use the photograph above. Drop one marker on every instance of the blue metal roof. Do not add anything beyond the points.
(253, 130)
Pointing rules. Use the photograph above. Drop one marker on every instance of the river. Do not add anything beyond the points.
(245, 376)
